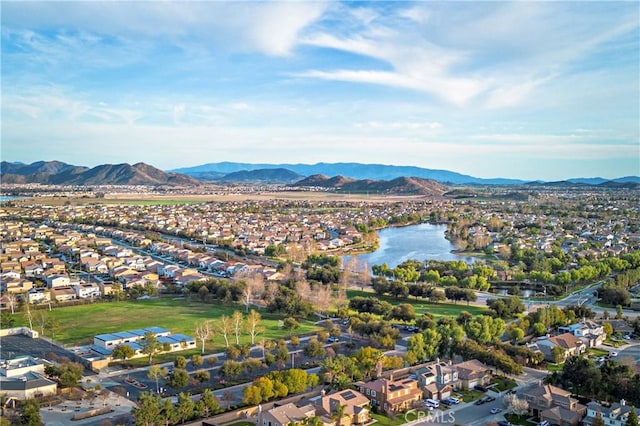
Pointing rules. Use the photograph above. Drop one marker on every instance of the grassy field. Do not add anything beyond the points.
(422, 305)
(78, 324)
(555, 367)
(503, 383)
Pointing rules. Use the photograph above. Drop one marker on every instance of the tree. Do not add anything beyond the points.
(202, 376)
(180, 362)
(30, 413)
(41, 318)
(559, 354)
(197, 360)
(338, 413)
(207, 404)
(224, 327)
(68, 373)
(185, 407)
(150, 345)
(155, 373)
(290, 324)
(254, 285)
(517, 405)
(251, 395)
(632, 418)
(148, 409)
(178, 378)
(27, 314)
(253, 325)
(203, 332)
(237, 320)
(314, 348)
(608, 329)
(598, 421)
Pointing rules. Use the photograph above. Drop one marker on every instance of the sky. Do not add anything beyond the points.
(530, 89)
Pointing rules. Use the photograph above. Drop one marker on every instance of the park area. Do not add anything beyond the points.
(78, 324)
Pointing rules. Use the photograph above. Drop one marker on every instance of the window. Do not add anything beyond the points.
(373, 393)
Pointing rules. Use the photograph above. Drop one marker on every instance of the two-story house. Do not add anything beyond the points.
(437, 380)
(589, 331)
(472, 373)
(391, 395)
(615, 415)
(355, 412)
(555, 405)
(571, 344)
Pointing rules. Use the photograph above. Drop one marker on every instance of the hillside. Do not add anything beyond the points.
(399, 186)
(261, 176)
(56, 173)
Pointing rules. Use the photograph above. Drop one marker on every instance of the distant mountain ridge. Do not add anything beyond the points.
(399, 186)
(58, 173)
(350, 170)
(274, 176)
(372, 171)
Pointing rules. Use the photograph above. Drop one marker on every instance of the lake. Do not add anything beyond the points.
(420, 242)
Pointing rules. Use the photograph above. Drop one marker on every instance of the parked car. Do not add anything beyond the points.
(543, 423)
(452, 400)
(333, 339)
(479, 401)
(432, 403)
(480, 388)
(504, 423)
(489, 399)
(495, 410)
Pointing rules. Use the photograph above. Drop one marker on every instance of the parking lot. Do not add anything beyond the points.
(17, 345)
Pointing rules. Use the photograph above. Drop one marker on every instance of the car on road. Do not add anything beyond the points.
(479, 401)
(614, 353)
(333, 339)
(495, 410)
(511, 391)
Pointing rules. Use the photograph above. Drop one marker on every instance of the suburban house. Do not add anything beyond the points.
(87, 290)
(572, 345)
(23, 378)
(555, 405)
(437, 380)
(63, 294)
(54, 281)
(355, 405)
(620, 326)
(38, 295)
(472, 373)
(286, 415)
(589, 331)
(391, 395)
(615, 415)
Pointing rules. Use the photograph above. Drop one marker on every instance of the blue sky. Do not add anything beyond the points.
(531, 90)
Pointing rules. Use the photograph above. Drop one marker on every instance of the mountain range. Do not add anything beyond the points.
(368, 176)
(58, 173)
(213, 171)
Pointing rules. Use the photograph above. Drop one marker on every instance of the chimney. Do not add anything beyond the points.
(391, 377)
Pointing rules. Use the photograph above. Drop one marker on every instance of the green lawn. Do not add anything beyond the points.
(422, 305)
(597, 352)
(503, 383)
(469, 395)
(78, 324)
(514, 419)
(383, 420)
(555, 367)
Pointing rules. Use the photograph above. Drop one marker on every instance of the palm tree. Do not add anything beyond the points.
(338, 414)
